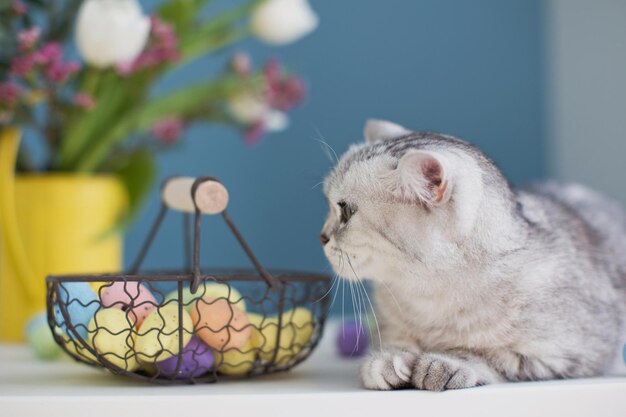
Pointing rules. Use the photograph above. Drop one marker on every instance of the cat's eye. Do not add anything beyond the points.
(346, 211)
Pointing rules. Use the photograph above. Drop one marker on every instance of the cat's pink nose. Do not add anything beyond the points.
(324, 239)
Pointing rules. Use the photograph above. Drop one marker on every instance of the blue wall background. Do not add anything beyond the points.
(473, 69)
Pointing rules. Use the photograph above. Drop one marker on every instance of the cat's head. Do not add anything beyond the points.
(403, 197)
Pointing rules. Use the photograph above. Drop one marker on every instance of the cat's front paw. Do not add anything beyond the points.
(387, 370)
(439, 372)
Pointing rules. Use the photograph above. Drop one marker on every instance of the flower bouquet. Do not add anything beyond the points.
(79, 77)
(96, 112)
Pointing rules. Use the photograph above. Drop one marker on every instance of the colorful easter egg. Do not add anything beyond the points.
(158, 337)
(209, 290)
(263, 335)
(133, 297)
(39, 338)
(296, 332)
(80, 302)
(352, 339)
(196, 360)
(111, 334)
(301, 321)
(220, 324)
(236, 362)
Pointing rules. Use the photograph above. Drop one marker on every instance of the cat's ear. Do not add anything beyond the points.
(423, 177)
(376, 130)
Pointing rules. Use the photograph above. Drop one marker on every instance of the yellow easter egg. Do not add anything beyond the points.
(263, 336)
(158, 337)
(236, 362)
(301, 321)
(111, 335)
(225, 291)
(296, 331)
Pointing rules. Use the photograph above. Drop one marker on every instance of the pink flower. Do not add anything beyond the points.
(162, 32)
(240, 64)
(27, 38)
(282, 93)
(294, 90)
(84, 101)
(9, 93)
(50, 52)
(59, 71)
(254, 133)
(22, 65)
(162, 48)
(167, 130)
(19, 7)
(272, 71)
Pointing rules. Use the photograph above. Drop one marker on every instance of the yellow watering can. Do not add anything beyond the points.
(50, 223)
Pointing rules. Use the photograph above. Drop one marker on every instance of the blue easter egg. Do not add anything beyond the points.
(81, 303)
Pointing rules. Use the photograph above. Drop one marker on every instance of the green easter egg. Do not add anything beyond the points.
(39, 338)
(212, 290)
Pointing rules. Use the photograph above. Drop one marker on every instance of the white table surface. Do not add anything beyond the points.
(324, 385)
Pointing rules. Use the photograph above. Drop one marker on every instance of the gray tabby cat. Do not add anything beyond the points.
(476, 282)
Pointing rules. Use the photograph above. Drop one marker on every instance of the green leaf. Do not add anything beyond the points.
(181, 13)
(137, 172)
(220, 31)
(115, 97)
(180, 103)
(78, 135)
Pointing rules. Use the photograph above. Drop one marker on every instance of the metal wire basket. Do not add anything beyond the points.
(191, 325)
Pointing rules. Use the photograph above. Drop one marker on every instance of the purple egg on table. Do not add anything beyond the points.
(352, 339)
(197, 359)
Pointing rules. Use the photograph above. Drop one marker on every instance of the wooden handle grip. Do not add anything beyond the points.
(210, 196)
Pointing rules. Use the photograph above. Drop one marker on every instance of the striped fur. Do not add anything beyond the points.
(493, 284)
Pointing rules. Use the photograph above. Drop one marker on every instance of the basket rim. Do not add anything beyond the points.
(210, 274)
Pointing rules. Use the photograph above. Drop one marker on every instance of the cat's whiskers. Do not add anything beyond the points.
(380, 341)
(355, 310)
(361, 308)
(327, 148)
(343, 291)
(317, 185)
(392, 295)
(336, 277)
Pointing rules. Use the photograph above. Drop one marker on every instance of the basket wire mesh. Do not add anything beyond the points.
(191, 325)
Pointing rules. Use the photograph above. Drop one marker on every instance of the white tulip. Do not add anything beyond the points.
(276, 120)
(109, 32)
(247, 108)
(283, 21)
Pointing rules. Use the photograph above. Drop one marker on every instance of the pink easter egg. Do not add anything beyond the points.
(132, 297)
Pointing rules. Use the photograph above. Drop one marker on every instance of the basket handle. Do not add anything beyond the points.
(202, 195)
(187, 194)
(200, 190)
